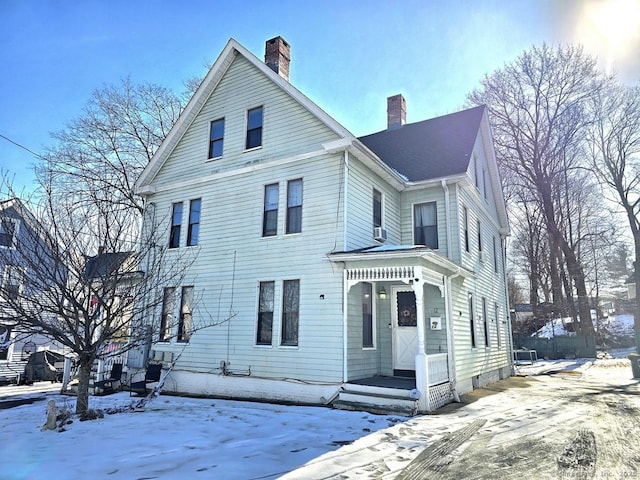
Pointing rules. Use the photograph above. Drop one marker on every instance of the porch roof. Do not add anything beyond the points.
(396, 253)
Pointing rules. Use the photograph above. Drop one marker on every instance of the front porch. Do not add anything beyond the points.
(385, 394)
(397, 322)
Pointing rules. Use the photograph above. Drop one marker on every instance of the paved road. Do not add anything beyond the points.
(567, 424)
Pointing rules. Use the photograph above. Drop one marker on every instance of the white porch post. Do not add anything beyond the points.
(422, 368)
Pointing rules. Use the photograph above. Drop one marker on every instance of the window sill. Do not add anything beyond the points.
(289, 347)
(213, 159)
(252, 149)
(369, 349)
(257, 345)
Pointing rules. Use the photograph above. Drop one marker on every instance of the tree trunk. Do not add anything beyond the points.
(82, 402)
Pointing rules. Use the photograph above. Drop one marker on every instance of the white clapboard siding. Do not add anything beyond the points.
(360, 207)
(288, 128)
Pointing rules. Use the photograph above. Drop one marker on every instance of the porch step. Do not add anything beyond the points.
(377, 400)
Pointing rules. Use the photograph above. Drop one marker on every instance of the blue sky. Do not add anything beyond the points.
(348, 56)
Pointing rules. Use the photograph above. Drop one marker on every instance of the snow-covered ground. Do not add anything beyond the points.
(178, 437)
(619, 325)
(173, 438)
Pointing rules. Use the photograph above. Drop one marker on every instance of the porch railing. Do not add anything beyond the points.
(438, 368)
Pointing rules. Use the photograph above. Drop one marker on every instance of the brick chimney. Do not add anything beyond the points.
(396, 112)
(277, 56)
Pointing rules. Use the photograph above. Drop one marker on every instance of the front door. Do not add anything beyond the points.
(404, 330)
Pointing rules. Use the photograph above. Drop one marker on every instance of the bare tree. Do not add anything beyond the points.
(101, 153)
(88, 280)
(614, 140)
(537, 108)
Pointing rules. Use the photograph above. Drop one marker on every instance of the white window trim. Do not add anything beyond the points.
(246, 126)
(374, 321)
(257, 310)
(5, 277)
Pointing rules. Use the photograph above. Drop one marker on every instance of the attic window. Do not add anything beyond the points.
(216, 138)
(254, 128)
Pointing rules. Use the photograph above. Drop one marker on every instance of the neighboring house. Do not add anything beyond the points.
(17, 226)
(343, 265)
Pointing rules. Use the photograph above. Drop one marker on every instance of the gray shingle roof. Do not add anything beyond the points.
(434, 148)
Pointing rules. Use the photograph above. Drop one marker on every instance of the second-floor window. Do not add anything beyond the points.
(425, 225)
(254, 128)
(294, 206)
(7, 232)
(270, 214)
(377, 208)
(176, 223)
(216, 138)
(465, 227)
(194, 223)
(12, 282)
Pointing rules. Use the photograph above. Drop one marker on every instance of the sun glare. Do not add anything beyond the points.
(611, 28)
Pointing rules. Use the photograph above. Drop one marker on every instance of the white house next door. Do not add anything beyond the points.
(404, 329)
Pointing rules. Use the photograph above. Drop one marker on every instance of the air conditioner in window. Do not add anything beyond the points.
(380, 234)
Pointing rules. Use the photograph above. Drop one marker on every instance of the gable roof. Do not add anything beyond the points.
(434, 148)
(204, 91)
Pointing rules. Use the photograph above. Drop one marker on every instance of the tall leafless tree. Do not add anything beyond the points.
(101, 153)
(614, 141)
(537, 107)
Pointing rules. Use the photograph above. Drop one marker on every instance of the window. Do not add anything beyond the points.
(186, 315)
(377, 208)
(479, 237)
(465, 227)
(176, 222)
(12, 282)
(194, 223)
(5, 342)
(7, 232)
(254, 128)
(425, 221)
(476, 169)
(367, 315)
(270, 217)
(294, 206)
(484, 183)
(290, 314)
(216, 138)
(166, 320)
(497, 317)
(472, 322)
(485, 319)
(265, 313)
(495, 256)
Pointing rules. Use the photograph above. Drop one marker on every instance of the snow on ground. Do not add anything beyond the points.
(180, 437)
(174, 438)
(619, 325)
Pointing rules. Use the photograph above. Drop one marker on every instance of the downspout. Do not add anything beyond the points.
(447, 216)
(345, 288)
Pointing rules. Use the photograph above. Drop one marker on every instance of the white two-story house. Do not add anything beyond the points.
(360, 272)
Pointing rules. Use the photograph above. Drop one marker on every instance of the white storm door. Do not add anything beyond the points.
(404, 330)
